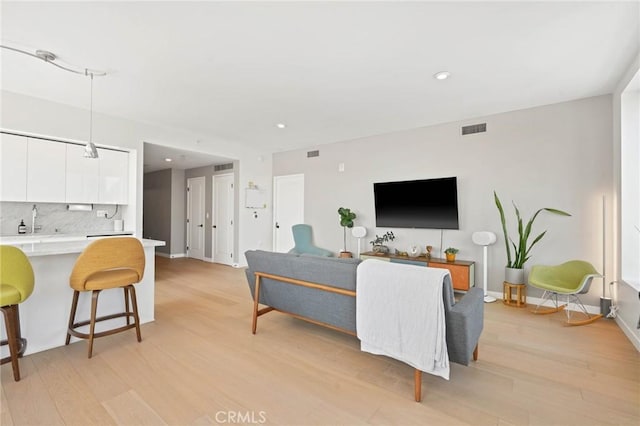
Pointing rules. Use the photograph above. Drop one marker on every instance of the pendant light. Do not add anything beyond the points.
(90, 150)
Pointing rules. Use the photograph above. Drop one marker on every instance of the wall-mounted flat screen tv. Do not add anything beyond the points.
(427, 203)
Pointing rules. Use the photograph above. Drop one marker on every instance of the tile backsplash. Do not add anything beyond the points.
(56, 218)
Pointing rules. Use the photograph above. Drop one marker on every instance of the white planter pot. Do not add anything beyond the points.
(514, 275)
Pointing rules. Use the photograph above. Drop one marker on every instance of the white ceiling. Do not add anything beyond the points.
(330, 70)
(155, 158)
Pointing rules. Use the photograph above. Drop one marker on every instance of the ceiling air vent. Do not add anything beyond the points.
(221, 167)
(315, 153)
(474, 128)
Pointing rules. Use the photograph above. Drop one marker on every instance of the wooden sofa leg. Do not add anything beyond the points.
(418, 385)
(254, 324)
(475, 353)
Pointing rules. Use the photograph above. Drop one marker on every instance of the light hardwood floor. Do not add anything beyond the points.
(198, 363)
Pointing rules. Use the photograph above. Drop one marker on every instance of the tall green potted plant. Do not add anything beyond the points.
(514, 271)
(346, 221)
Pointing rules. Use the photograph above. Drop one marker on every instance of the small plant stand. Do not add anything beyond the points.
(518, 290)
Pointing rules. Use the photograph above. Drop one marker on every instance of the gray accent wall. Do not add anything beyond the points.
(164, 210)
(156, 216)
(556, 156)
(178, 212)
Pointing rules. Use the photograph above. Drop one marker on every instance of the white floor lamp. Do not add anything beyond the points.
(484, 239)
(359, 232)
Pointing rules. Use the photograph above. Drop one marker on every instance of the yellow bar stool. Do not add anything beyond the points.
(16, 285)
(106, 264)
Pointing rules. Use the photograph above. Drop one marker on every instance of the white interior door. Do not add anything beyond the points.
(288, 209)
(223, 212)
(195, 217)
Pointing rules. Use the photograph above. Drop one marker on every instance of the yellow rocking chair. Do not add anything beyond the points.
(570, 279)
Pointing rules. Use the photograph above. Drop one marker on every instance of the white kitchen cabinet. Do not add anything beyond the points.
(114, 176)
(82, 177)
(13, 168)
(46, 170)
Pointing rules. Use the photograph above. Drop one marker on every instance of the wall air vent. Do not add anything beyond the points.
(474, 128)
(315, 153)
(221, 167)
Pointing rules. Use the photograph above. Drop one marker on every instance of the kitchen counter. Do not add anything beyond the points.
(15, 239)
(44, 315)
(49, 247)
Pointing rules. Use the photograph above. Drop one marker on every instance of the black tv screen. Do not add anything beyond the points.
(428, 203)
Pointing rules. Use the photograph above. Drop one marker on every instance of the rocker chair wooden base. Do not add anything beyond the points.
(589, 320)
(547, 311)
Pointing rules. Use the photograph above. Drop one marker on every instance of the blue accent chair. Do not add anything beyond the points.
(303, 242)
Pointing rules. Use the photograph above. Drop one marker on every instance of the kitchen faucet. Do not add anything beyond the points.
(34, 213)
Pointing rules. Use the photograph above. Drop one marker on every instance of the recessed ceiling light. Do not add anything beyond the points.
(442, 75)
(168, 160)
(281, 125)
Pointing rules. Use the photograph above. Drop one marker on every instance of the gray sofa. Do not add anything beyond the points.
(464, 319)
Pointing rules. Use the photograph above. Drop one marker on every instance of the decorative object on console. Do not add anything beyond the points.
(484, 239)
(514, 272)
(414, 251)
(359, 232)
(451, 254)
(429, 249)
(346, 221)
(378, 242)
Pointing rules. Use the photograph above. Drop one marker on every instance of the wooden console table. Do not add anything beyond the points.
(462, 271)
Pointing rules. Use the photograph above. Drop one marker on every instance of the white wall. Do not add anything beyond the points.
(626, 296)
(33, 115)
(553, 156)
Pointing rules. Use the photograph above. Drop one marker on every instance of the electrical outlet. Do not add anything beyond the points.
(101, 213)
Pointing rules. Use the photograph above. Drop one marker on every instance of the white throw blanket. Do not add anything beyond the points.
(400, 314)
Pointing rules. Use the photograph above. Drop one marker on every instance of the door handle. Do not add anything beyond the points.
(200, 226)
(277, 226)
(214, 227)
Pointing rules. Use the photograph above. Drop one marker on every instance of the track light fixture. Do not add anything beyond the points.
(90, 150)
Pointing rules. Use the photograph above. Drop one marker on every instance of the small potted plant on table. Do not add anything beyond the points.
(378, 242)
(451, 254)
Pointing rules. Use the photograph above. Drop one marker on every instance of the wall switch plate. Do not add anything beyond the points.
(101, 213)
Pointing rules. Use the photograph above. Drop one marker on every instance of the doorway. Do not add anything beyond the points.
(195, 217)
(223, 218)
(288, 209)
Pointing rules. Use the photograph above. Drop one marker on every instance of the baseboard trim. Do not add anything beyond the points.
(628, 331)
(171, 256)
